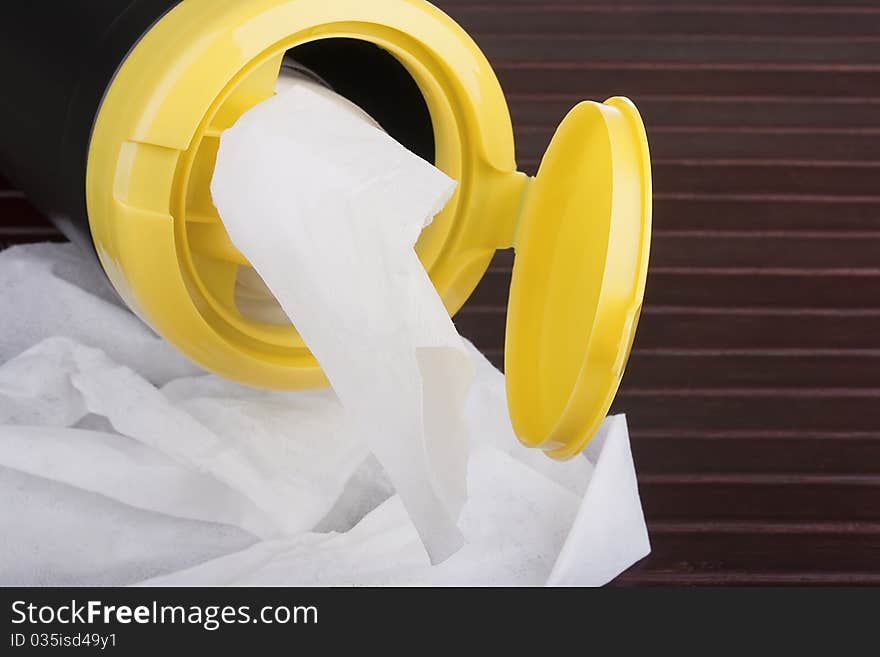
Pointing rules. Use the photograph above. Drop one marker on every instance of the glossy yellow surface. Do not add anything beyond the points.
(165, 250)
(579, 277)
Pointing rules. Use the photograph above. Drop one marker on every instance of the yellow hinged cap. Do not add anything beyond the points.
(581, 229)
(582, 249)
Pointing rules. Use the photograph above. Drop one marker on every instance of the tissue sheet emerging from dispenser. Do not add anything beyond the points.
(327, 208)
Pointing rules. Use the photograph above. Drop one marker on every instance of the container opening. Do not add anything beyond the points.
(378, 83)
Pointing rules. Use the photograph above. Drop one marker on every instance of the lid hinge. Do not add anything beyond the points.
(510, 205)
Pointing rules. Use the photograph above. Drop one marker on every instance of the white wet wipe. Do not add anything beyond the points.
(48, 290)
(60, 535)
(122, 462)
(271, 463)
(92, 506)
(522, 529)
(328, 208)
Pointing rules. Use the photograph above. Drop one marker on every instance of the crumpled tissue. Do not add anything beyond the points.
(327, 208)
(122, 463)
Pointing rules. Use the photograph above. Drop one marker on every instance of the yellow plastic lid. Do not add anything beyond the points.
(581, 228)
(582, 250)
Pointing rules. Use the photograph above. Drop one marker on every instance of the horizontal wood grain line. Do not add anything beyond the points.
(725, 149)
(669, 8)
(683, 37)
(808, 252)
(769, 163)
(710, 333)
(501, 309)
(781, 4)
(732, 81)
(852, 499)
(752, 233)
(761, 527)
(762, 311)
(487, 30)
(744, 331)
(757, 456)
(769, 271)
(804, 272)
(751, 392)
(757, 351)
(724, 291)
(761, 479)
(807, 578)
(689, 98)
(534, 124)
(805, 179)
(660, 111)
(686, 130)
(764, 371)
(684, 433)
(753, 413)
(780, 552)
(757, 215)
(802, 130)
(703, 352)
(761, 214)
(735, 180)
(568, 49)
(817, 272)
(750, 66)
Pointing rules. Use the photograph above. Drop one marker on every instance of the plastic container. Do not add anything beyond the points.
(111, 119)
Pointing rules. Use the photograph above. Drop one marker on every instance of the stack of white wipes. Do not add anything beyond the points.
(121, 462)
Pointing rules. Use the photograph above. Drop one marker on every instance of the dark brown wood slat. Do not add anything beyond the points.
(685, 329)
(728, 290)
(768, 177)
(819, 250)
(681, 577)
(630, 5)
(760, 553)
(597, 81)
(792, 502)
(850, 6)
(750, 557)
(779, 291)
(794, 213)
(647, 370)
(529, 110)
(715, 559)
(754, 412)
(553, 20)
(758, 455)
(792, 180)
(800, 252)
(680, 49)
(710, 144)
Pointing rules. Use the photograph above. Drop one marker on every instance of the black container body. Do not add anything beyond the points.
(57, 59)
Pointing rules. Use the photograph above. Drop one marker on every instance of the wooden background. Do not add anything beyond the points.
(753, 389)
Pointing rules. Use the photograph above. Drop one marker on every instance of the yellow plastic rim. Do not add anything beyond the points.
(199, 68)
(579, 277)
(581, 229)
